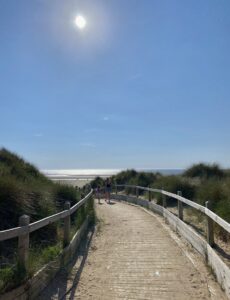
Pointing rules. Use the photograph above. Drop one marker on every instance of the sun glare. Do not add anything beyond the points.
(80, 22)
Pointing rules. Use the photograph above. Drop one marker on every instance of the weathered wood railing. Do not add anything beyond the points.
(211, 216)
(25, 228)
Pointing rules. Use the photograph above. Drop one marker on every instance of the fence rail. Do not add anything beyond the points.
(25, 228)
(210, 214)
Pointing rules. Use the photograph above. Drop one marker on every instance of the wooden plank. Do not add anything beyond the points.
(150, 196)
(19, 293)
(40, 280)
(221, 270)
(182, 199)
(48, 220)
(15, 232)
(185, 231)
(80, 203)
(210, 228)
(156, 208)
(218, 220)
(180, 206)
(225, 225)
(24, 243)
(67, 226)
(12, 233)
(164, 201)
(137, 192)
(186, 201)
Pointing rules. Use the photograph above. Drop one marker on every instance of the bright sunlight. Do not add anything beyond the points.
(80, 22)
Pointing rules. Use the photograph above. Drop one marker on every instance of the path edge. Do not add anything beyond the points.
(34, 286)
(219, 268)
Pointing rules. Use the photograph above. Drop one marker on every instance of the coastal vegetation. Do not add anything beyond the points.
(24, 190)
(200, 183)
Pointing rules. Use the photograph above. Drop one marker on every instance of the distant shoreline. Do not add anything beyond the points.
(80, 177)
(92, 173)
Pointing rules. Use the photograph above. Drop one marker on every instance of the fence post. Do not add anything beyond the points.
(210, 227)
(66, 239)
(24, 242)
(116, 189)
(180, 206)
(137, 192)
(164, 202)
(150, 196)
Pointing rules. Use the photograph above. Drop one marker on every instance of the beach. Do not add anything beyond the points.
(73, 182)
(78, 177)
(81, 177)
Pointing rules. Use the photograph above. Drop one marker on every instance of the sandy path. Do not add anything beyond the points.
(133, 256)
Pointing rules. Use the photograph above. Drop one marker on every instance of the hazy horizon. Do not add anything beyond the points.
(70, 174)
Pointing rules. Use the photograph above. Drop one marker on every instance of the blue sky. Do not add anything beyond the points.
(146, 84)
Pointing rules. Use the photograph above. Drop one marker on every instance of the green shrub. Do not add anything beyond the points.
(11, 276)
(98, 181)
(6, 276)
(63, 193)
(124, 176)
(50, 253)
(217, 192)
(205, 171)
(212, 191)
(174, 184)
(18, 168)
(24, 190)
(13, 202)
(40, 256)
(145, 179)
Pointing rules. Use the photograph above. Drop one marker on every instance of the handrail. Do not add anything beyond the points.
(224, 224)
(17, 231)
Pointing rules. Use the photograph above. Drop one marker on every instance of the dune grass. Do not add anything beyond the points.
(24, 190)
(200, 183)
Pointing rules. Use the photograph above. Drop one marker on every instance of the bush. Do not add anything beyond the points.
(218, 195)
(145, 179)
(97, 182)
(13, 202)
(124, 176)
(6, 277)
(205, 171)
(12, 164)
(132, 177)
(63, 193)
(174, 184)
(217, 192)
(210, 190)
(24, 190)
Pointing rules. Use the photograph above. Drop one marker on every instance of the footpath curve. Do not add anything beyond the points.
(133, 255)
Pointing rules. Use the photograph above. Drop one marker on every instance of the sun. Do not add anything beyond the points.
(80, 22)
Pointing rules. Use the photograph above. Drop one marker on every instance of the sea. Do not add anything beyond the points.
(90, 174)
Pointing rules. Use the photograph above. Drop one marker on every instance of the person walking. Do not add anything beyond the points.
(108, 187)
(98, 194)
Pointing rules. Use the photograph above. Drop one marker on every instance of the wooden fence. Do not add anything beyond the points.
(211, 216)
(25, 228)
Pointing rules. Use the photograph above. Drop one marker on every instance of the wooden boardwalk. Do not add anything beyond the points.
(133, 255)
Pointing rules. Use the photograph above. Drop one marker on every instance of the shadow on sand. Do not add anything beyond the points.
(111, 203)
(222, 252)
(58, 286)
